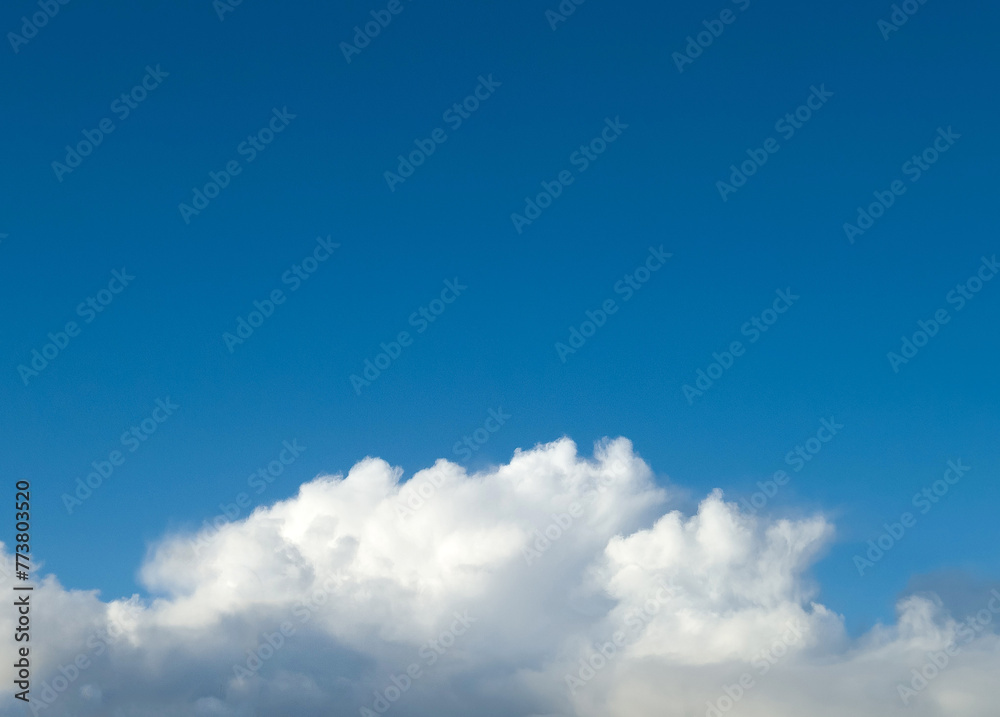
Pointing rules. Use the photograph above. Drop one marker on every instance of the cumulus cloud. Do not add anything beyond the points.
(552, 585)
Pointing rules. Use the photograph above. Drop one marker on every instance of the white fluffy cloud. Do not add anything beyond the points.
(553, 585)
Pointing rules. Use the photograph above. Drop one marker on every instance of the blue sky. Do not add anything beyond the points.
(493, 347)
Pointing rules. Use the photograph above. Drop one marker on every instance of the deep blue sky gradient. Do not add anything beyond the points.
(494, 346)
